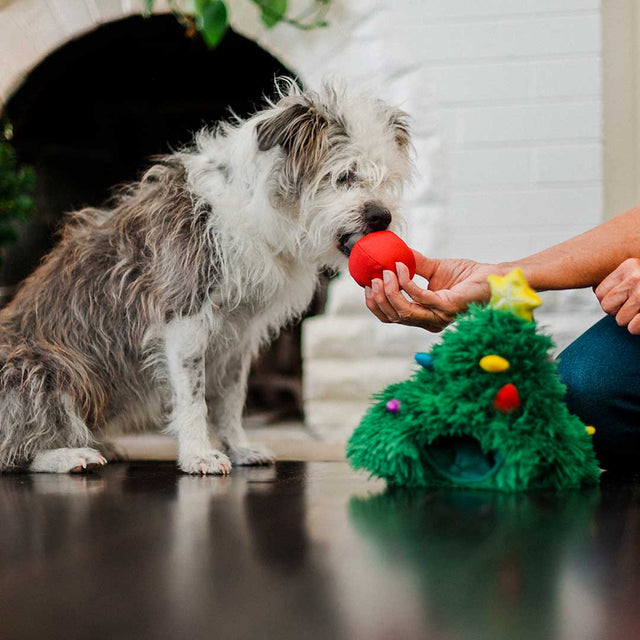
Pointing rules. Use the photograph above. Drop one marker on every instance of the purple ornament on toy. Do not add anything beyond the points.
(393, 406)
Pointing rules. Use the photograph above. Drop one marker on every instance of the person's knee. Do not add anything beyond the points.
(587, 389)
(603, 393)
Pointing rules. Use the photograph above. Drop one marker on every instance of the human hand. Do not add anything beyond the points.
(452, 285)
(619, 295)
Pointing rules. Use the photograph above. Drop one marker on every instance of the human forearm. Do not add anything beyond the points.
(585, 260)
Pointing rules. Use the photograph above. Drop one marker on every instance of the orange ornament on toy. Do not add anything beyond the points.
(378, 251)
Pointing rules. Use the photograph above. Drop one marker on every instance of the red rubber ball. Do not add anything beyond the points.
(376, 252)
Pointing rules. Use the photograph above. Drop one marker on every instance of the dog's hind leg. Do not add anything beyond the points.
(185, 342)
(67, 460)
(226, 399)
(42, 432)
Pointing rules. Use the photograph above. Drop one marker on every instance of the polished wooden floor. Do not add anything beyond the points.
(311, 550)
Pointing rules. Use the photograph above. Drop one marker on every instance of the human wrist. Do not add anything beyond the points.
(531, 272)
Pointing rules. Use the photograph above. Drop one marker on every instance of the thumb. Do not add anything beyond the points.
(425, 267)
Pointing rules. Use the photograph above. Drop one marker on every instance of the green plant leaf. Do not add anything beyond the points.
(7, 234)
(148, 7)
(211, 20)
(272, 11)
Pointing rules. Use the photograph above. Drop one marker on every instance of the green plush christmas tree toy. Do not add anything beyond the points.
(484, 410)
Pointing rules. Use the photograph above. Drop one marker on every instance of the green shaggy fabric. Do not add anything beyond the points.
(447, 431)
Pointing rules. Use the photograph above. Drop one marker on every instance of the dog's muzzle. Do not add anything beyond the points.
(376, 218)
(347, 240)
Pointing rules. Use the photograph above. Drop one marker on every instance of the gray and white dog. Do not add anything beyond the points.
(150, 312)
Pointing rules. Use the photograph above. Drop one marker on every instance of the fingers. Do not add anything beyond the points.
(619, 295)
(423, 296)
(382, 298)
(613, 301)
(634, 326)
(628, 311)
(386, 301)
(627, 273)
(372, 305)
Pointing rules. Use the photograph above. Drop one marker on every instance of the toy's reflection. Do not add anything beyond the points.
(487, 564)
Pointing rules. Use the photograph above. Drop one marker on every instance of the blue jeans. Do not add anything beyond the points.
(602, 372)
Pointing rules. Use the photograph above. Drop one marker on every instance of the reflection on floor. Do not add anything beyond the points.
(311, 550)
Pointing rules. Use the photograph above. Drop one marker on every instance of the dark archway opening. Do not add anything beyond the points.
(90, 116)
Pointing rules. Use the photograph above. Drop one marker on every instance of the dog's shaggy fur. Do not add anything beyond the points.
(151, 311)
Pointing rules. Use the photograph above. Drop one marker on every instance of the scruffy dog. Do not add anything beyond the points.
(150, 312)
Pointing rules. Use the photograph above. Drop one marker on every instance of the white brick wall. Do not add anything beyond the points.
(518, 89)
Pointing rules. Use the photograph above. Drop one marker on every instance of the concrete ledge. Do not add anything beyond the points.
(290, 441)
(355, 380)
(334, 420)
(351, 337)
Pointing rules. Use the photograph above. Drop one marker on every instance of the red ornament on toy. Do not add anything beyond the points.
(507, 399)
(378, 251)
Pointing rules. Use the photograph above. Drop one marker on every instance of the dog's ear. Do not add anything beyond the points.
(400, 123)
(300, 131)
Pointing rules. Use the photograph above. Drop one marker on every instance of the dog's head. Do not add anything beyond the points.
(340, 162)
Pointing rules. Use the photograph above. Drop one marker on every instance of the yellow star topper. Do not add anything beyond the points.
(513, 293)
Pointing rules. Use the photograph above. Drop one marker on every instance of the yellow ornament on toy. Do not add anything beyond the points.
(513, 293)
(494, 364)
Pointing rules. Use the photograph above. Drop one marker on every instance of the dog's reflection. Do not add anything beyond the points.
(171, 553)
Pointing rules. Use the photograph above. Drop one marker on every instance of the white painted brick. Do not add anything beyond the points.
(537, 37)
(109, 9)
(501, 39)
(332, 379)
(574, 163)
(334, 420)
(345, 297)
(453, 84)
(448, 9)
(354, 337)
(565, 121)
(491, 166)
(40, 26)
(449, 122)
(563, 5)
(23, 51)
(565, 327)
(75, 15)
(561, 78)
(499, 244)
(527, 207)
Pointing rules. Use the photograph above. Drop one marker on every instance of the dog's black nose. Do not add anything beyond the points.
(377, 217)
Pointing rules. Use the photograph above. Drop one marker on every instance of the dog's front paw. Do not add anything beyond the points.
(252, 456)
(211, 463)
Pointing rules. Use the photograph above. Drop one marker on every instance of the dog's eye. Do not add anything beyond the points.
(347, 179)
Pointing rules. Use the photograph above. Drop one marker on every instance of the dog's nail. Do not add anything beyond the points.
(367, 292)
